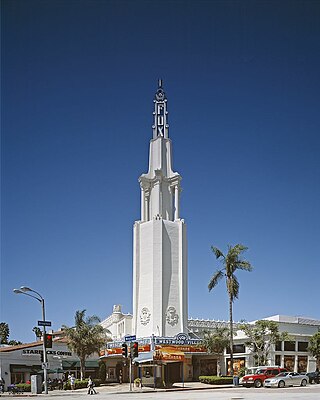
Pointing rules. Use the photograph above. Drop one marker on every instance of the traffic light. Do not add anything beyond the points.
(124, 350)
(48, 340)
(134, 349)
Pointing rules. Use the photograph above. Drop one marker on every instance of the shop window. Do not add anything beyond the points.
(238, 363)
(278, 346)
(302, 363)
(111, 373)
(303, 346)
(289, 346)
(289, 363)
(278, 359)
(239, 348)
(17, 377)
(208, 367)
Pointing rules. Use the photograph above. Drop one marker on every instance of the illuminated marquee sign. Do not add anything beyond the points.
(180, 339)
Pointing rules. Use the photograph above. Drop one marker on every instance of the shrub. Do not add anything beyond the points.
(216, 380)
(137, 382)
(81, 384)
(23, 387)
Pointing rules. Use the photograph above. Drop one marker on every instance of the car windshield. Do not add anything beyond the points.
(283, 374)
(261, 371)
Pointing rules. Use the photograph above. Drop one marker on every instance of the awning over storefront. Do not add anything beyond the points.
(76, 364)
(146, 356)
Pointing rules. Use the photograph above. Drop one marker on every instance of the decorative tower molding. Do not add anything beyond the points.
(160, 245)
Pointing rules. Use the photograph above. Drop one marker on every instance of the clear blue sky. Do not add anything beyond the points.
(78, 80)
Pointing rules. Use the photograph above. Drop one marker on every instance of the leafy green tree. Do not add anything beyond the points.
(216, 341)
(232, 262)
(102, 371)
(85, 338)
(314, 346)
(261, 336)
(37, 331)
(4, 333)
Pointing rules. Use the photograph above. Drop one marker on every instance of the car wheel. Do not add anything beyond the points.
(303, 382)
(257, 383)
(281, 384)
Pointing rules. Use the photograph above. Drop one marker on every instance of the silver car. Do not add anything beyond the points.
(287, 379)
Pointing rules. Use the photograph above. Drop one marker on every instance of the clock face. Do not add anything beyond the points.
(160, 94)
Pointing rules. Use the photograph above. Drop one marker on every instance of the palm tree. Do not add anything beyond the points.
(37, 331)
(85, 338)
(231, 263)
(216, 341)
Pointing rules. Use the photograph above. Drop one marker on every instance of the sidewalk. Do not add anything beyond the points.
(116, 388)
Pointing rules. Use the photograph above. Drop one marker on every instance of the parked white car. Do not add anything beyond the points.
(287, 379)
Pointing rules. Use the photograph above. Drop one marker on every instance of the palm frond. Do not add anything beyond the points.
(79, 317)
(244, 265)
(240, 248)
(218, 253)
(93, 320)
(215, 279)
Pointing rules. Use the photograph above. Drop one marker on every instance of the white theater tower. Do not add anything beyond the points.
(160, 245)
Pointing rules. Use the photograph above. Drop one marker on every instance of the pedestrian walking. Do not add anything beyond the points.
(120, 376)
(72, 382)
(2, 383)
(91, 389)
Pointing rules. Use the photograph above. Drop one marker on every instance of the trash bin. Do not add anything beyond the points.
(36, 384)
(235, 380)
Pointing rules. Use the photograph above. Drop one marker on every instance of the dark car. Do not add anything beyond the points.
(314, 377)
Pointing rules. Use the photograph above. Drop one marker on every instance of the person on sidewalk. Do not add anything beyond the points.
(91, 389)
(72, 382)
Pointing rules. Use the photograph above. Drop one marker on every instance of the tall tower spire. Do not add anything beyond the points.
(160, 245)
(160, 187)
(160, 124)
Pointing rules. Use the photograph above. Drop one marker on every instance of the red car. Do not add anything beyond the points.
(260, 375)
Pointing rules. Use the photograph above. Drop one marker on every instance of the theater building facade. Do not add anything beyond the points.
(170, 345)
(183, 358)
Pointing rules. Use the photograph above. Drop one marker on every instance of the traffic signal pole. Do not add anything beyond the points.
(130, 371)
(45, 358)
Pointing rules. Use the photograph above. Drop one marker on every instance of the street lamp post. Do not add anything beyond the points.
(38, 297)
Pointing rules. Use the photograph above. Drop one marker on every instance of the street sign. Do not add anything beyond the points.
(44, 323)
(130, 338)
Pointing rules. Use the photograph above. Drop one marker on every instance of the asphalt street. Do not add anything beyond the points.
(191, 391)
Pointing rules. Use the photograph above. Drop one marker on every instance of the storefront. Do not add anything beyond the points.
(18, 363)
(161, 361)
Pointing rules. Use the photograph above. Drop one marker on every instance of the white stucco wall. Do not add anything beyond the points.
(160, 269)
